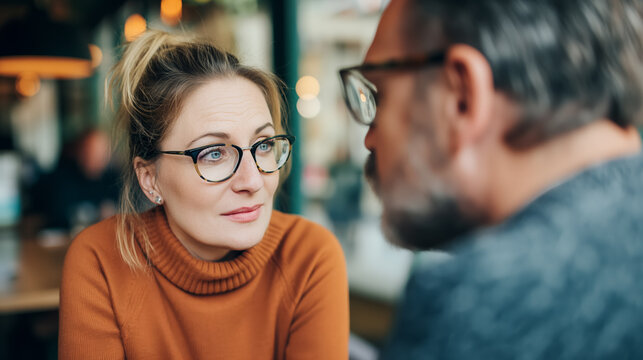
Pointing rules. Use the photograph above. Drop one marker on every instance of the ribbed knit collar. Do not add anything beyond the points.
(202, 277)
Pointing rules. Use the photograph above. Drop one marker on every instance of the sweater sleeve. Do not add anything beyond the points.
(88, 326)
(320, 327)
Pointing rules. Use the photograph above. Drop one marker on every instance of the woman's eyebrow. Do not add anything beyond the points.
(225, 136)
(221, 135)
(259, 129)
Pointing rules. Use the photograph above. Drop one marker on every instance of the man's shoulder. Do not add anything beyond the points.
(497, 303)
(588, 223)
(601, 194)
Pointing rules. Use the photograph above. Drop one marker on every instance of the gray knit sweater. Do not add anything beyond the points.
(561, 279)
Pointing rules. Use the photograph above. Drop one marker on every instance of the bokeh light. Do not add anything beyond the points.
(97, 55)
(308, 108)
(135, 25)
(27, 84)
(307, 87)
(171, 11)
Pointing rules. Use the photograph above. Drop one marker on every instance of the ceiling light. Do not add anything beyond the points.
(47, 49)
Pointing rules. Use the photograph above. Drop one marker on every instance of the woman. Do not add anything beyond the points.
(211, 271)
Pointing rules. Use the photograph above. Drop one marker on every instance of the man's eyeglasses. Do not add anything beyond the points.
(218, 162)
(361, 95)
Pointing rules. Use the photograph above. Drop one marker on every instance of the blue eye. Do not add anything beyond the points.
(265, 146)
(213, 154)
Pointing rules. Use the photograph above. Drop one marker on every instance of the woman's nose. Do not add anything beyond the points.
(248, 177)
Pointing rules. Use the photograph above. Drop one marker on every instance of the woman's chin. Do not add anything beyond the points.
(241, 237)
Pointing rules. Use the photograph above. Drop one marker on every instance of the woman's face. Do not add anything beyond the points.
(210, 219)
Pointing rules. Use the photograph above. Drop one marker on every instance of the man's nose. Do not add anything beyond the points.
(248, 177)
(369, 140)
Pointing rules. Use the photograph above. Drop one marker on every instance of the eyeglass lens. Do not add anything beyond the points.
(360, 98)
(219, 162)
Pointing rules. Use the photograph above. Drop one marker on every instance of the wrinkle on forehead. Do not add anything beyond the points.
(228, 99)
(231, 105)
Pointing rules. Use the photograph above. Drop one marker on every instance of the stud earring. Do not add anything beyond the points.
(158, 200)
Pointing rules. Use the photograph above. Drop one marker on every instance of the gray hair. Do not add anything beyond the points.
(565, 62)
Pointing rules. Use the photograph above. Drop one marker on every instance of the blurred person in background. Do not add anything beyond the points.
(343, 204)
(502, 131)
(210, 271)
(82, 190)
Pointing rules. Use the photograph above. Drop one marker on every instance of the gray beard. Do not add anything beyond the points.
(434, 227)
(421, 211)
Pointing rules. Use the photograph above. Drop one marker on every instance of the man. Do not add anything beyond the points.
(503, 132)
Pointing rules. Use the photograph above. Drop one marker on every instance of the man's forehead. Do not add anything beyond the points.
(400, 33)
(387, 43)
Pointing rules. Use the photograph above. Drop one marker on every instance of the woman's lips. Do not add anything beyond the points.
(244, 214)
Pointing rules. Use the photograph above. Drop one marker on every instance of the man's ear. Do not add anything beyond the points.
(470, 94)
(146, 174)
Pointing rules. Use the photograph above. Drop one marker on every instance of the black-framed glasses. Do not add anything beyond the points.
(218, 162)
(360, 94)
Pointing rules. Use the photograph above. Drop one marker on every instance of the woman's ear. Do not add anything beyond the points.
(146, 174)
(471, 93)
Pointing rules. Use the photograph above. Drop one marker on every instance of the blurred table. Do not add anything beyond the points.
(37, 264)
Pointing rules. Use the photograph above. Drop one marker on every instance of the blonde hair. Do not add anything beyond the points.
(156, 73)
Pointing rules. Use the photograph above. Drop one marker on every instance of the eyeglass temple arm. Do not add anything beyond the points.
(174, 152)
(192, 154)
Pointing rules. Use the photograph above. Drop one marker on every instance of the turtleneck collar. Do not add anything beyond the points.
(202, 277)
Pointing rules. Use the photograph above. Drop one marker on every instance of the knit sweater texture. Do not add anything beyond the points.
(285, 298)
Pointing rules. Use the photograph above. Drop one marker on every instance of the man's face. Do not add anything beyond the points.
(409, 165)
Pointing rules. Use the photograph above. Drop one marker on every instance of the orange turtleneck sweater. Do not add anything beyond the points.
(285, 298)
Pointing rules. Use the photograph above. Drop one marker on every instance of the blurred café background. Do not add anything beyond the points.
(58, 173)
